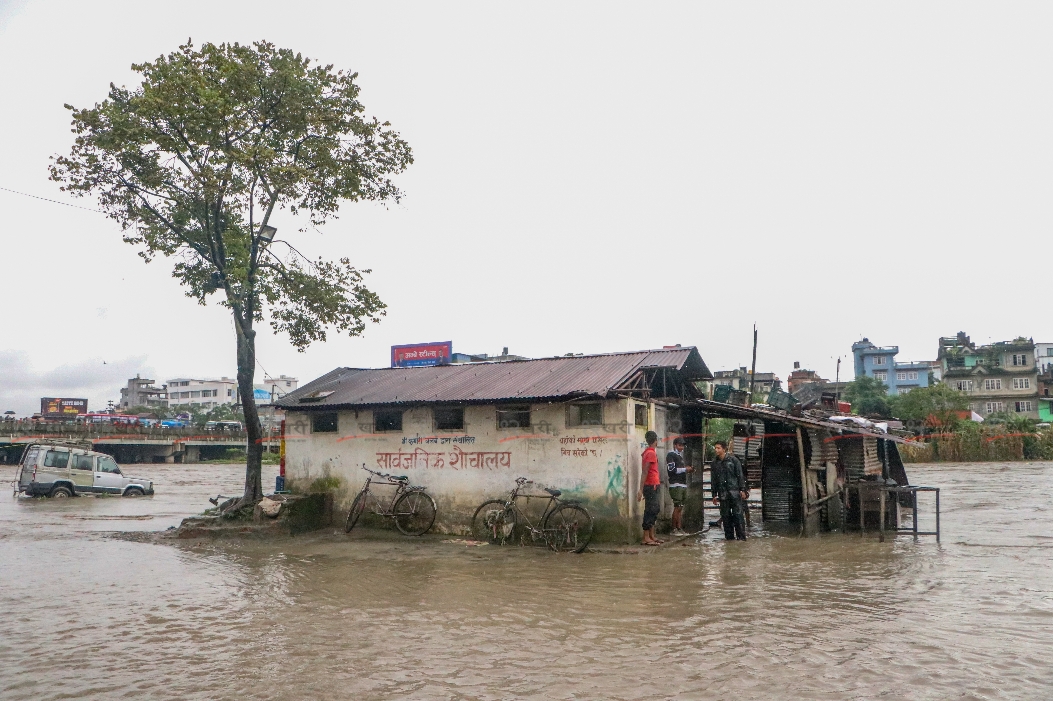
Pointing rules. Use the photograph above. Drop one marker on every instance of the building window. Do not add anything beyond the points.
(585, 414)
(881, 376)
(992, 384)
(387, 420)
(1023, 406)
(964, 385)
(1020, 359)
(640, 411)
(879, 360)
(195, 394)
(904, 390)
(288, 384)
(230, 392)
(449, 418)
(1021, 383)
(513, 417)
(993, 407)
(906, 375)
(324, 423)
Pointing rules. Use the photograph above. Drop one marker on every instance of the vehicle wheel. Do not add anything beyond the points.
(357, 507)
(134, 492)
(414, 513)
(60, 493)
(494, 522)
(574, 526)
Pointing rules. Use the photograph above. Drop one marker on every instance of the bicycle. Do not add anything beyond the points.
(564, 525)
(412, 509)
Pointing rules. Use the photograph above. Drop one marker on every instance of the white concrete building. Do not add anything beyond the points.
(274, 388)
(1043, 356)
(467, 431)
(203, 393)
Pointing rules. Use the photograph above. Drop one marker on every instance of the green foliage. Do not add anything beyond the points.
(326, 483)
(940, 402)
(868, 397)
(195, 160)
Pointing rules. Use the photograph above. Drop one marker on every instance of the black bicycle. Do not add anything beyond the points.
(564, 525)
(412, 508)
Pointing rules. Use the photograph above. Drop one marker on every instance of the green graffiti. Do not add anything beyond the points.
(615, 478)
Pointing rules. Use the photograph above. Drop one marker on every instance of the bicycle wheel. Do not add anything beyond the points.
(574, 528)
(355, 512)
(494, 522)
(414, 513)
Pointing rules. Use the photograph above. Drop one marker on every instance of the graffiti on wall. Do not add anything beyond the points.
(456, 459)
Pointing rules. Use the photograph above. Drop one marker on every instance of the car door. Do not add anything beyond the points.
(82, 469)
(108, 477)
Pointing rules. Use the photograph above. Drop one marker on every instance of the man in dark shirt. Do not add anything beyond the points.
(677, 469)
(729, 491)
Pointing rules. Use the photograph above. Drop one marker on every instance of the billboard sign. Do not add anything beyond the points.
(62, 408)
(421, 354)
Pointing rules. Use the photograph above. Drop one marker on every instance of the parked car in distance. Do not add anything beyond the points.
(61, 471)
(228, 426)
(173, 423)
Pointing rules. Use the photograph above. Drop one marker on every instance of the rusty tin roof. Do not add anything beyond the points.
(523, 380)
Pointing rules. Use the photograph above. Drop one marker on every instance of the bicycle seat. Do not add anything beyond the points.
(553, 492)
(400, 478)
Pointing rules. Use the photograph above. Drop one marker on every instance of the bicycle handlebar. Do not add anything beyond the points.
(386, 476)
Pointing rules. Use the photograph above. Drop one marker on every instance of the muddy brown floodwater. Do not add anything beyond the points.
(90, 615)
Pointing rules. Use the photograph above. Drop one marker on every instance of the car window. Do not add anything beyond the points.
(31, 456)
(106, 464)
(83, 462)
(56, 458)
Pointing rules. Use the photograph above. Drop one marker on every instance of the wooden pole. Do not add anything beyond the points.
(881, 517)
(804, 482)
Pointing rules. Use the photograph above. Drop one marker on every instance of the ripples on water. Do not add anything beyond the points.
(774, 618)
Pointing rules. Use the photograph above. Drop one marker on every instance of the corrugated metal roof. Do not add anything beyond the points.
(543, 378)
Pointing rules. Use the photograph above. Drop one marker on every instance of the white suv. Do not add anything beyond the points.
(61, 471)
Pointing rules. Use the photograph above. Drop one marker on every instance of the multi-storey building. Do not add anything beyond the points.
(1000, 378)
(203, 393)
(274, 388)
(880, 363)
(740, 379)
(1044, 356)
(141, 392)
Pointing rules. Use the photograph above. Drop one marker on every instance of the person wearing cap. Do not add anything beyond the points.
(677, 470)
(650, 483)
(729, 491)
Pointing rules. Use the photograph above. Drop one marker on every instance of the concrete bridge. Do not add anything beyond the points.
(127, 444)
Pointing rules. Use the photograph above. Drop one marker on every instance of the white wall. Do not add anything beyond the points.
(599, 465)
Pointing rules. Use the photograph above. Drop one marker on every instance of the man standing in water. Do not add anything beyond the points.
(677, 470)
(650, 483)
(729, 491)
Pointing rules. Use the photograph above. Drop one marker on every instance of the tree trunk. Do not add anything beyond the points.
(254, 449)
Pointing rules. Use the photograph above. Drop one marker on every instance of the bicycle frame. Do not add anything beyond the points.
(400, 489)
(536, 531)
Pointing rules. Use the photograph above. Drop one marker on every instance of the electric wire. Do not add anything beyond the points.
(38, 197)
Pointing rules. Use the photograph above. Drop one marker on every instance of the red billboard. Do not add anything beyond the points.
(418, 354)
(62, 407)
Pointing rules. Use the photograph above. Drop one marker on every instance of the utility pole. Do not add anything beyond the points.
(753, 371)
(837, 387)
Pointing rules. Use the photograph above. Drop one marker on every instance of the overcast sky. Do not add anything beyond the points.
(589, 177)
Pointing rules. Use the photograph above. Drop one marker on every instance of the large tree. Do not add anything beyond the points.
(194, 162)
(937, 404)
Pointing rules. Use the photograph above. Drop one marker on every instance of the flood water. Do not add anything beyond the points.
(88, 615)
